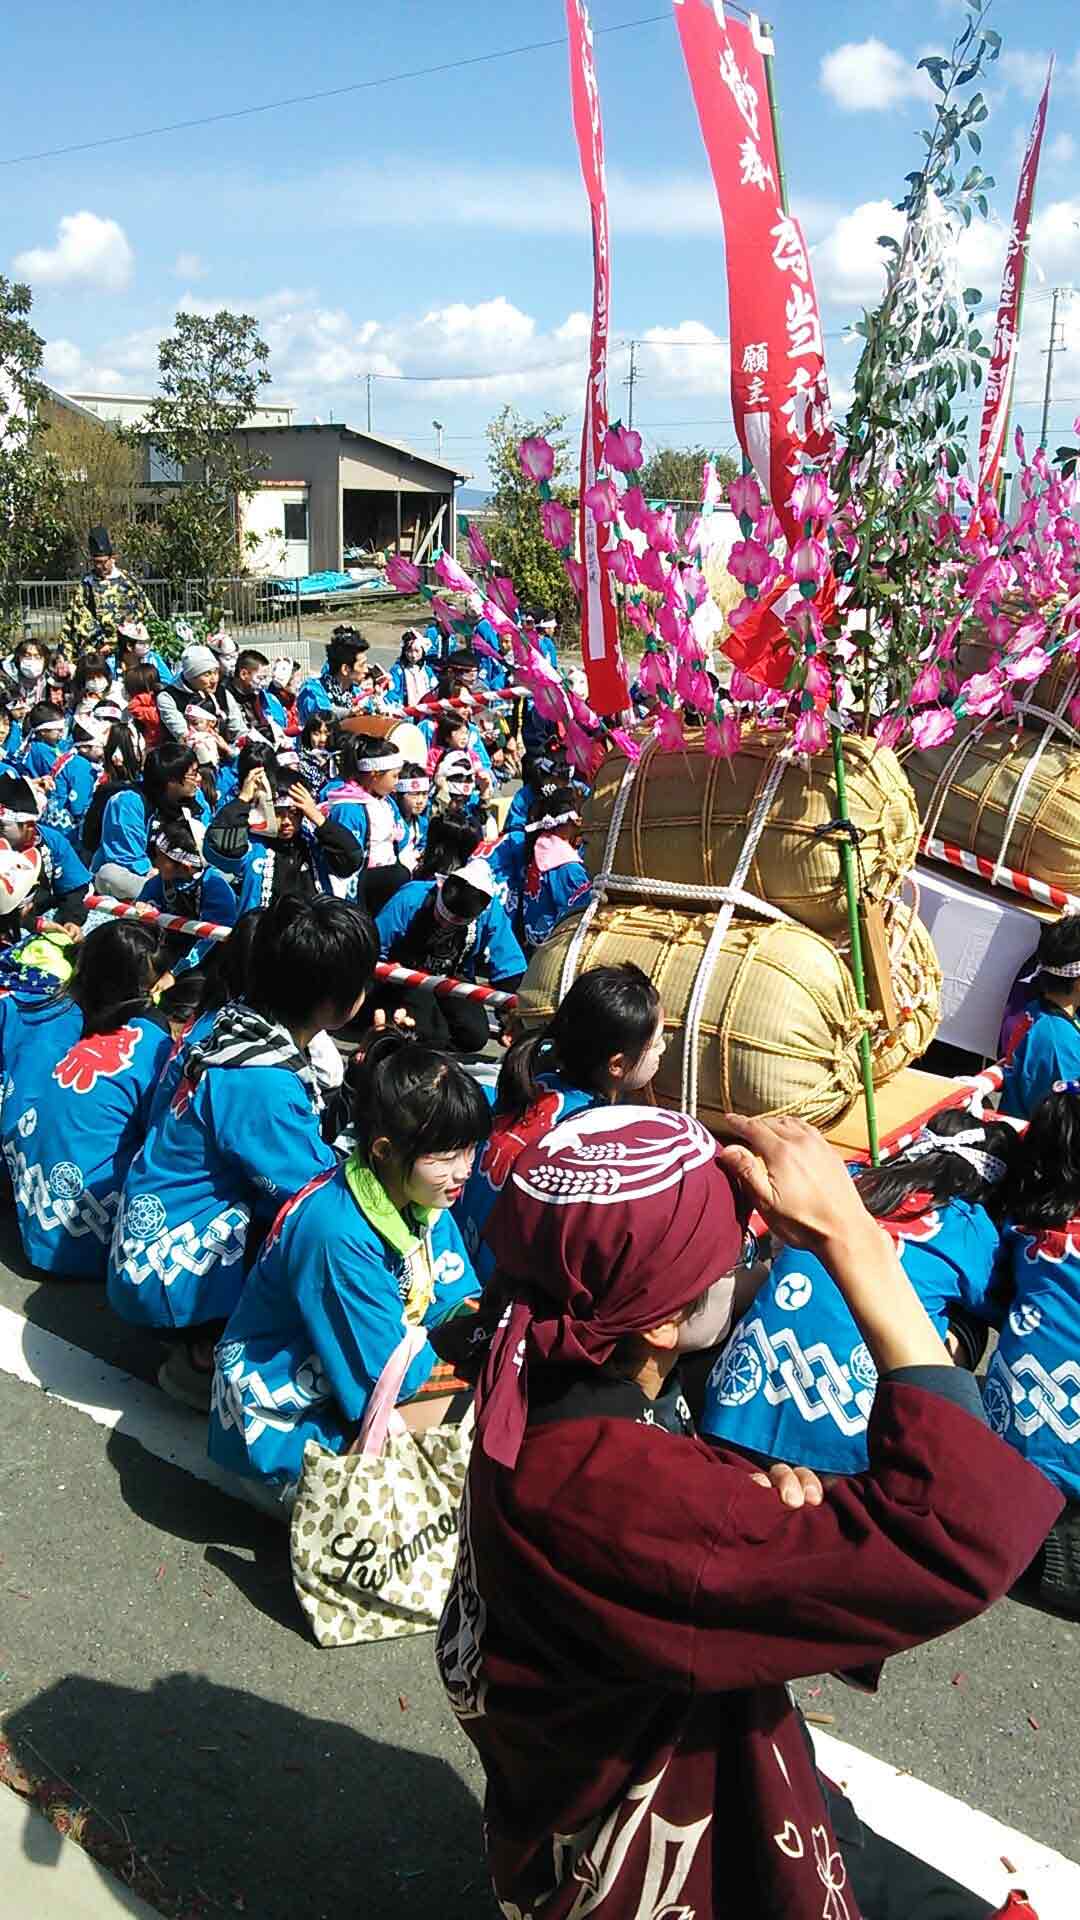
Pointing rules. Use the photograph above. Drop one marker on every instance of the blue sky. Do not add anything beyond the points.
(437, 226)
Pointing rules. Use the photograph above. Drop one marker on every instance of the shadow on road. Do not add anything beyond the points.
(247, 1805)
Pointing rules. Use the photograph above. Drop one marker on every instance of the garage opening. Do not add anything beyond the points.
(369, 521)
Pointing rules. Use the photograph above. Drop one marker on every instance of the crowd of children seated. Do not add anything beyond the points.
(179, 1126)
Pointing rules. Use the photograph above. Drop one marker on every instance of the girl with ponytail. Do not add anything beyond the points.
(605, 1040)
(796, 1381)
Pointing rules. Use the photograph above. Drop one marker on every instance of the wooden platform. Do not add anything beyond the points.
(904, 1104)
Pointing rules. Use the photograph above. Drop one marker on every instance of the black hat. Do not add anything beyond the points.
(463, 660)
(18, 799)
(99, 542)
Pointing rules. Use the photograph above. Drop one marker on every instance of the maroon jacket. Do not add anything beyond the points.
(628, 1607)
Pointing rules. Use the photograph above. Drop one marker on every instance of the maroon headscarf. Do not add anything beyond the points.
(612, 1223)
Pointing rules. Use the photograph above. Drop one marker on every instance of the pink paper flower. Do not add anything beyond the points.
(812, 500)
(811, 733)
(634, 509)
(744, 688)
(650, 571)
(575, 573)
(694, 688)
(723, 738)
(927, 686)
(625, 743)
(622, 448)
(933, 727)
(661, 533)
(809, 561)
(654, 674)
(453, 577)
(479, 551)
(752, 564)
(818, 678)
(443, 613)
(670, 737)
(501, 590)
(403, 576)
(623, 563)
(537, 457)
(889, 731)
(673, 626)
(602, 501)
(557, 523)
(982, 693)
(1027, 666)
(745, 496)
(639, 614)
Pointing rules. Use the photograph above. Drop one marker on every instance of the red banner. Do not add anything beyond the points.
(600, 650)
(999, 374)
(779, 386)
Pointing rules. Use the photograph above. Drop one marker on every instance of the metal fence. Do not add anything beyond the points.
(266, 613)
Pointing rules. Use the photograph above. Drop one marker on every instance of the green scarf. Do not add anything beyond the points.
(380, 1213)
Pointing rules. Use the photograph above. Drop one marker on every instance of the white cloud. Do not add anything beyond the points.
(61, 363)
(866, 76)
(849, 265)
(1061, 150)
(1026, 71)
(88, 250)
(189, 266)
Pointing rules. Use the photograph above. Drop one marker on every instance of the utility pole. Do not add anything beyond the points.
(369, 377)
(1057, 345)
(438, 426)
(630, 382)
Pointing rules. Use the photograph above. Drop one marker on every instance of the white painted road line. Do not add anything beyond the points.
(953, 1836)
(120, 1402)
(949, 1834)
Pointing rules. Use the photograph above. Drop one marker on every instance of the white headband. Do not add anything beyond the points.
(963, 1146)
(1071, 972)
(552, 820)
(414, 786)
(380, 758)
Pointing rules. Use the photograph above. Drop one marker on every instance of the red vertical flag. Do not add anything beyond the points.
(1001, 371)
(599, 621)
(779, 386)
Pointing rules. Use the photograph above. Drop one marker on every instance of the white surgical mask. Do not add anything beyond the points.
(97, 685)
(29, 668)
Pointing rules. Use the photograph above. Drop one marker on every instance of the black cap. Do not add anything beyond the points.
(99, 541)
(18, 798)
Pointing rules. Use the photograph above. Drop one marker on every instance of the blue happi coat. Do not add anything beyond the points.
(204, 1187)
(410, 835)
(547, 898)
(74, 1111)
(38, 758)
(62, 866)
(71, 795)
(1032, 1387)
(320, 1316)
(796, 1380)
(494, 949)
(215, 901)
(1046, 1047)
(495, 1160)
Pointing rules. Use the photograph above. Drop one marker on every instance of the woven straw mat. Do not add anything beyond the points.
(1045, 841)
(687, 816)
(780, 1027)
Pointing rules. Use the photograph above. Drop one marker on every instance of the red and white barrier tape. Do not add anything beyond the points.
(1011, 877)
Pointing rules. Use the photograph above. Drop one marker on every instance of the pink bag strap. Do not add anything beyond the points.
(387, 1388)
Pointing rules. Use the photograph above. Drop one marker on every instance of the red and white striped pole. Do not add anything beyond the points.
(385, 969)
(1011, 877)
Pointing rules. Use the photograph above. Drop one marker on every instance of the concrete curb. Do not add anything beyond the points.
(47, 1877)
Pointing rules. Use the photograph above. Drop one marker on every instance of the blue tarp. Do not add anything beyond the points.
(311, 585)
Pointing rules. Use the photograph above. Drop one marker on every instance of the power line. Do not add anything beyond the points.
(326, 93)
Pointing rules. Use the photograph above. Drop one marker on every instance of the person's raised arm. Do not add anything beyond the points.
(802, 1189)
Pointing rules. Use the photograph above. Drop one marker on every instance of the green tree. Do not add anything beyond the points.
(98, 471)
(515, 537)
(29, 481)
(674, 473)
(210, 372)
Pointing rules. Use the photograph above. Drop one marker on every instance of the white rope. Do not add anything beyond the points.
(689, 1089)
(618, 814)
(1022, 785)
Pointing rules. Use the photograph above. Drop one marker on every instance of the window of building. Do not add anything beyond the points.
(296, 520)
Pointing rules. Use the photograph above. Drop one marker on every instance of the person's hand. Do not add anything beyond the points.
(302, 798)
(162, 984)
(797, 1182)
(797, 1486)
(255, 782)
(403, 1021)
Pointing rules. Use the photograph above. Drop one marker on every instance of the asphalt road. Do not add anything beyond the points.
(152, 1654)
